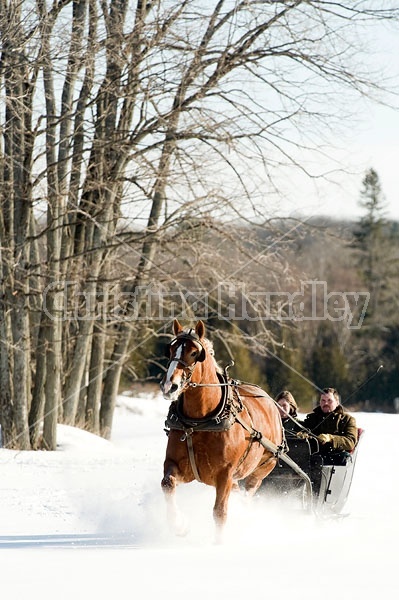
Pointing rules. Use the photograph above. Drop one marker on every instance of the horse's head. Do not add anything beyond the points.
(185, 351)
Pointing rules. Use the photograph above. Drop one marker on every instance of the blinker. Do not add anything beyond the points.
(187, 336)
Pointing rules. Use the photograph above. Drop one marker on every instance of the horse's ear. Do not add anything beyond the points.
(177, 328)
(200, 329)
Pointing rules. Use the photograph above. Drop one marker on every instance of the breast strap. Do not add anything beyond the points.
(220, 419)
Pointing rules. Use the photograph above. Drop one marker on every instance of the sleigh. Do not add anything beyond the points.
(330, 483)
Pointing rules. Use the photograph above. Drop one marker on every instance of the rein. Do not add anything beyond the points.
(234, 383)
(194, 385)
(222, 419)
(228, 413)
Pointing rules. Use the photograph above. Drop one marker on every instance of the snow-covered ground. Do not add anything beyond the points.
(90, 519)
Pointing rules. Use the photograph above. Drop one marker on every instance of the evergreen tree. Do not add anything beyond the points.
(329, 365)
(294, 378)
(375, 241)
(371, 240)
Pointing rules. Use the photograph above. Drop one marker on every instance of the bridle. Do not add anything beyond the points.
(180, 339)
(192, 337)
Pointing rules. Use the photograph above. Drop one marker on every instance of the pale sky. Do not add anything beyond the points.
(377, 147)
(371, 142)
(369, 139)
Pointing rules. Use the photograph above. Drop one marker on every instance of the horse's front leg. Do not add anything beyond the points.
(223, 488)
(169, 483)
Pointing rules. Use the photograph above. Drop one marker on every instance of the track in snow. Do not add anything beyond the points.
(69, 540)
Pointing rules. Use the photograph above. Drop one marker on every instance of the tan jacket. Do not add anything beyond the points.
(340, 424)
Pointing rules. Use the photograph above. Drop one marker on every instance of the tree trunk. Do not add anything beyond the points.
(80, 357)
(21, 374)
(8, 439)
(54, 236)
(38, 397)
(111, 382)
(95, 385)
(52, 386)
(97, 358)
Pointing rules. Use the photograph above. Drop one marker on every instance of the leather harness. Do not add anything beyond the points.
(225, 415)
(221, 419)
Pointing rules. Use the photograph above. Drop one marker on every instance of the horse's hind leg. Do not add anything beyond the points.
(175, 518)
(253, 481)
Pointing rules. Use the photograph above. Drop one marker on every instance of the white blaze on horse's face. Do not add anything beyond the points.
(171, 385)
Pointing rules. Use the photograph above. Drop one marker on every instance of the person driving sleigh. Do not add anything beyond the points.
(335, 429)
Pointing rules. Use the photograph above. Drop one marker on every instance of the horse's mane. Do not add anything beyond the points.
(208, 345)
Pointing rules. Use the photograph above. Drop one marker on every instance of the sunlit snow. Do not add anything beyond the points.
(89, 520)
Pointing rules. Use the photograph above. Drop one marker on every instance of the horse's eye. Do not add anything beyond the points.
(194, 353)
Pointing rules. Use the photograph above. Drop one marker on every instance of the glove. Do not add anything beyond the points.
(303, 435)
(324, 438)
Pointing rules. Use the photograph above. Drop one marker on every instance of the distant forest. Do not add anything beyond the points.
(324, 314)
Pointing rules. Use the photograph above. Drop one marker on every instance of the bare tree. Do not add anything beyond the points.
(137, 125)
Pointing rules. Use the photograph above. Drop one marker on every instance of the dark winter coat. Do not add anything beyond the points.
(340, 424)
(290, 426)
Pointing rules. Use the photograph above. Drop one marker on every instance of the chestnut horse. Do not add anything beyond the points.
(217, 428)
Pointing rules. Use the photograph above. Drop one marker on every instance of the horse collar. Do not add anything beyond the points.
(220, 419)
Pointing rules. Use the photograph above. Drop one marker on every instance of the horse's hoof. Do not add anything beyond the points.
(180, 526)
(182, 532)
(219, 538)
